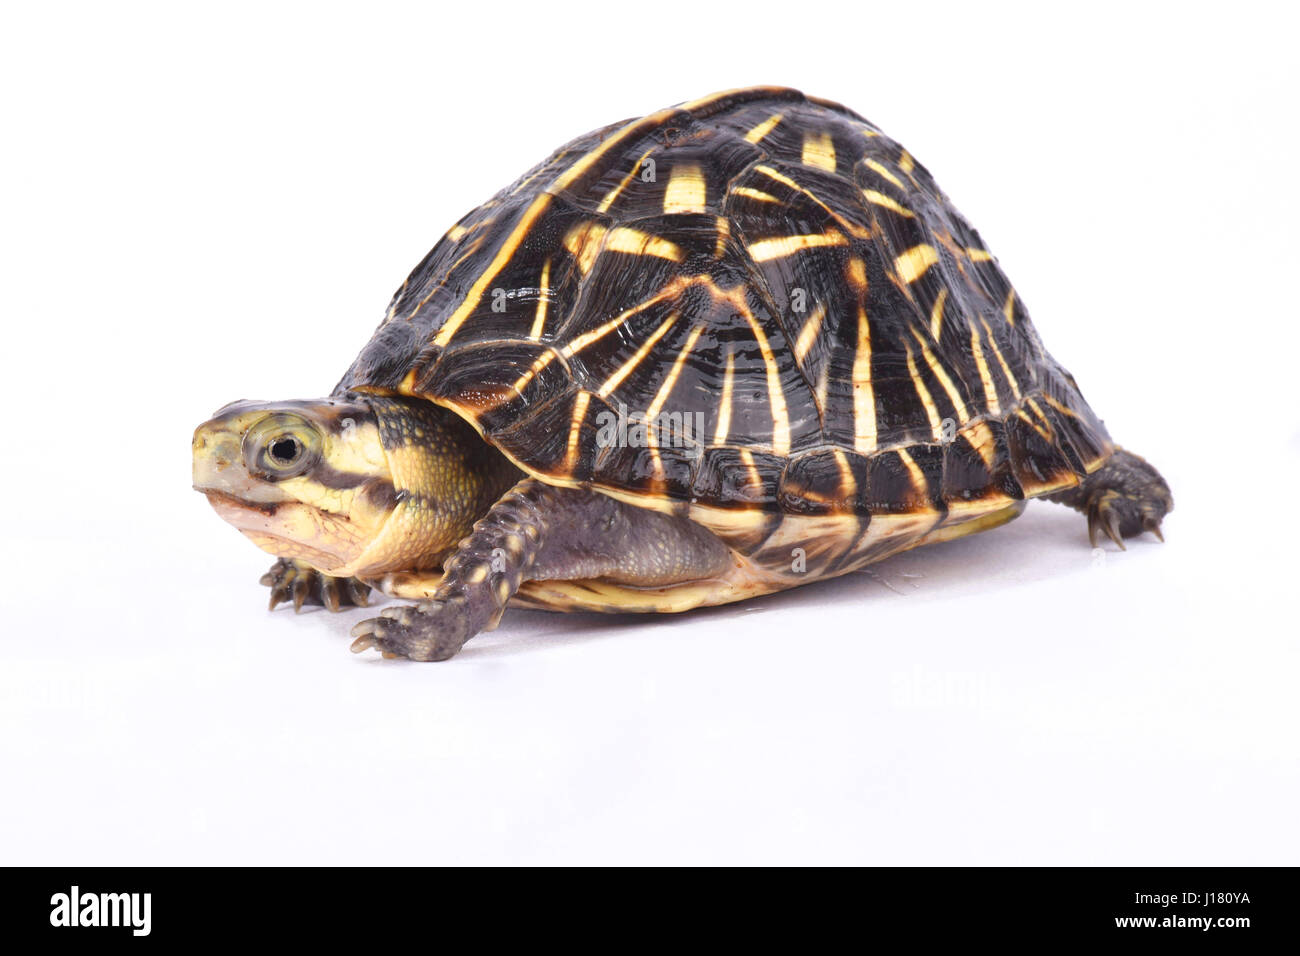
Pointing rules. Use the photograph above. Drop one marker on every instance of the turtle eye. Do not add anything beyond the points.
(285, 451)
(281, 446)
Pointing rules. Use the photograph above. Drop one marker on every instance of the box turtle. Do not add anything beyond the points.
(726, 349)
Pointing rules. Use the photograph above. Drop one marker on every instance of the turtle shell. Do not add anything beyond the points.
(752, 301)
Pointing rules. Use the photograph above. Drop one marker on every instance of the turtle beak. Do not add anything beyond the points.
(218, 461)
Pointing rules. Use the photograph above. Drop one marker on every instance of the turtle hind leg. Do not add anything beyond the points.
(296, 581)
(1123, 498)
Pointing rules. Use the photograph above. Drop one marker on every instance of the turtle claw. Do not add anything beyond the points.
(1104, 515)
(1153, 525)
(279, 593)
(355, 592)
(368, 641)
(303, 585)
(329, 594)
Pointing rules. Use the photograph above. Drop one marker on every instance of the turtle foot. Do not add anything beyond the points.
(1122, 499)
(294, 581)
(429, 631)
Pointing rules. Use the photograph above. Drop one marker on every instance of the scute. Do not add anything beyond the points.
(832, 337)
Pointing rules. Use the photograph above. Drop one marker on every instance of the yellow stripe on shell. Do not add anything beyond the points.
(945, 380)
(754, 194)
(543, 300)
(747, 457)
(583, 242)
(919, 484)
(808, 334)
(1063, 409)
(575, 429)
(914, 263)
(687, 191)
(539, 363)
(927, 400)
(855, 272)
(936, 314)
(1025, 417)
(671, 379)
(819, 151)
(848, 484)
(851, 228)
(782, 246)
(864, 398)
(724, 406)
(481, 284)
(821, 390)
(784, 180)
(981, 439)
(763, 128)
(626, 369)
(776, 397)
(634, 242)
(469, 252)
(566, 179)
(986, 376)
(887, 202)
(1046, 431)
(538, 206)
(883, 171)
(1006, 369)
(614, 193)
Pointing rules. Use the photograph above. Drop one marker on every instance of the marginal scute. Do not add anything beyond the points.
(1040, 465)
(809, 326)
(904, 481)
(823, 482)
(977, 466)
(737, 477)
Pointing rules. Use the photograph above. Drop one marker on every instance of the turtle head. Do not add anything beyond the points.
(355, 484)
(306, 480)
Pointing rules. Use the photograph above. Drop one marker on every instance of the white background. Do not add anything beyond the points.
(203, 206)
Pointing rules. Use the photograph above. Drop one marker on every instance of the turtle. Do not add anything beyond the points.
(725, 349)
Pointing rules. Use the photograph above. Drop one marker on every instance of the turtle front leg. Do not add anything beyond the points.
(1123, 498)
(478, 581)
(303, 584)
(539, 532)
